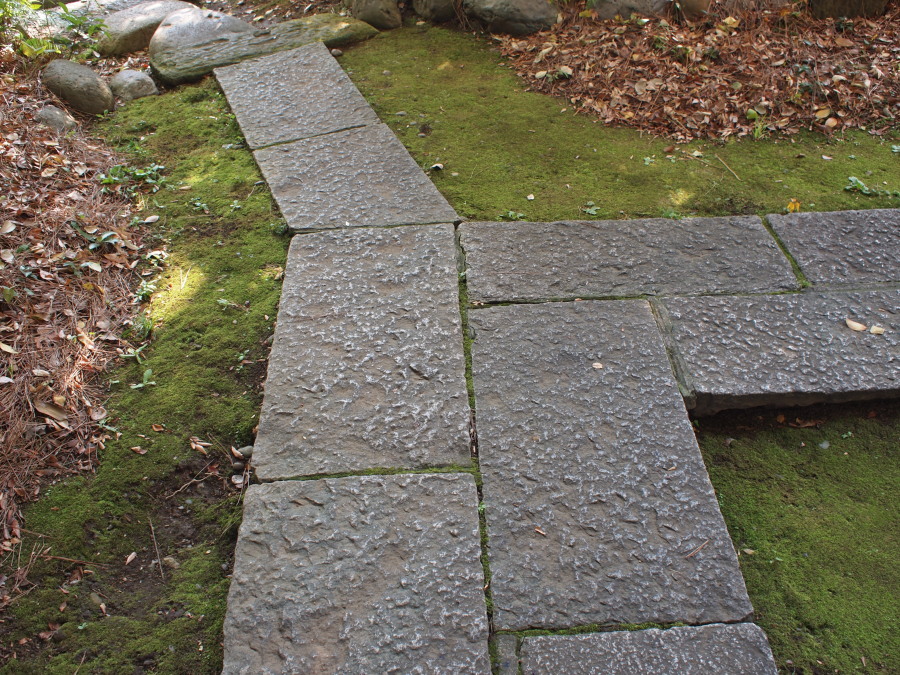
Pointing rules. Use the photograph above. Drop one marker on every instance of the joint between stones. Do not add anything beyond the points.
(679, 368)
(795, 266)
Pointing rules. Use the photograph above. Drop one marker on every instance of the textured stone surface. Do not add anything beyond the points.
(851, 247)
(185, 61)
(382, 14)
(507, 659)
(375, 574)
(598, 506)
(79, 86)
(436, 11)
(56, 118)
(717, 649)
(292, 95)
(367, 366)
(131, 84)
(129, 30)
(536, 261)
(516, 17)
(354, 178)
(786, 349)
(609, 9)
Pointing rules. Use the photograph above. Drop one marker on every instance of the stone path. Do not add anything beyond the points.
(385, 538)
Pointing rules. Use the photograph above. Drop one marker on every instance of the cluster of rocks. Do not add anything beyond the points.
(515, 17)
(183, 43)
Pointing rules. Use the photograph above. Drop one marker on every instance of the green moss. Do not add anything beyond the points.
(214, 309)
(812, 512)
(499, 143)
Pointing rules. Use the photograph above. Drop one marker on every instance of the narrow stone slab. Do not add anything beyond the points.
(607, 258)
(844, 247)
(796, 349)
(598, 506)
(292, 95)
(367, 367)
(736, 649)
(374, 574)
(356, 178)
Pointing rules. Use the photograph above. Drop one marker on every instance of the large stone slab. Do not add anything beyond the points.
(796, 349)
(355, 178)
(375, 574)
(735, 649)
(292, 95)
(185, 60)
(844, 247)
(598, 506)
(367, 368)
(604, 258)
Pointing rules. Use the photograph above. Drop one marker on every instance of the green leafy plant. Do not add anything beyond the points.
(856, 185)
(146, 381)
(512, 215)
(590, 208)
(132, 177)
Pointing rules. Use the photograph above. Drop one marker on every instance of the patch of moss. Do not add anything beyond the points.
(212, 313)
(452, 100)
(812, 512)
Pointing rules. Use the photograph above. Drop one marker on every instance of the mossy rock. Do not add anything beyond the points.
(177, 62)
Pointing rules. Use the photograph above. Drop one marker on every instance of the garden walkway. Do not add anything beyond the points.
(385, 535)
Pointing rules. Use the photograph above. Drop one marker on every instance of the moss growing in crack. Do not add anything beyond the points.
(463, 108)
(211, 315)
(812, 512)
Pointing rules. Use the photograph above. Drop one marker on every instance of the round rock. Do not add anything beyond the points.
(515, 17)
(382, 14)
(436, 11)
(79, 86)
(128, 85)
(56, 118)
(129, 30)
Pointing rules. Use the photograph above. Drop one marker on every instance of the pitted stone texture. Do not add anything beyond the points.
(787, 349)
(540, 261)
(735, 649)
(292, 95)
(374, 574)
(355, 178)
(367, 367)
(598, 506)
(845, 247)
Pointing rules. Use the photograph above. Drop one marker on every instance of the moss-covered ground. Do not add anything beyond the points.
(452, 101)
(810, 499)
(214, 308)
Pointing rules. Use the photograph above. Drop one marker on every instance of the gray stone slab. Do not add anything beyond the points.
(292, 95)
(844, 247)
(598, 505)
(579, 259)
(356, 178)
(507, 658)
(367, 367)
(374, 574)
(793, 349)
(717, 649)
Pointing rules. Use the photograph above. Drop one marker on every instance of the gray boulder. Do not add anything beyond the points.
(128, 85)
(129, 30)
(177, 55)
(382, 14)
(514, 17)
(79, 86)
(436, 11)
(608, 9)
(56, 118)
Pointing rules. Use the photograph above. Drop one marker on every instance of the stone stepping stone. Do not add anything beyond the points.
(739, 352)
(367, 368)
(608, 258)
(735, 649)
(292, 95)
(372, 574)
(356, 178)
(598, 505)
(844, 247)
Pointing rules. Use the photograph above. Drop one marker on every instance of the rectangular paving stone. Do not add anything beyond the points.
(796, 349)
(367, 367)
(373, 574)
(734, 649)
(598, 505)
(292, 95)
(606, 258)
(844, 247)
(356, 178)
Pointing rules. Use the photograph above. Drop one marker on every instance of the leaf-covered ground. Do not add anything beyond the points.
(747, 74)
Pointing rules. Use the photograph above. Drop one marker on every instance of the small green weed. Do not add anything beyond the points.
(856, 185)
